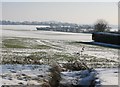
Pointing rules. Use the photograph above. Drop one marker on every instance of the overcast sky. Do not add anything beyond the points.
(73, 12)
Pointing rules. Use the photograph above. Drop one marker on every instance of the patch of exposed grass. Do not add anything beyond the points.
(64, 57)
(41, 47)
(23, 43)
(37, 55)
(78, 43)
(12, 43)
(33, 58)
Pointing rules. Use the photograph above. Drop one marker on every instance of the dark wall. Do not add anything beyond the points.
(106, 38)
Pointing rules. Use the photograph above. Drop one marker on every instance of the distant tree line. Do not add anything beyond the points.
(5, 22)
(53, 23)
(99, 26)
(72, 27)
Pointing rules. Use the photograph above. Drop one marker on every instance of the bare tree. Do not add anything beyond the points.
(101, 26)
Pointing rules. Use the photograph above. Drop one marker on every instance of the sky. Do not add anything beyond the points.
(72, 12)
(60, 0)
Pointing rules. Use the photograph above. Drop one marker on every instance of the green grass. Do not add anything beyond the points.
(64, 57)
(23, 43)
(12, 43)
(41, 47)
(37, 55)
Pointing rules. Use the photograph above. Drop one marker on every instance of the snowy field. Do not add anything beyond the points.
(31, 32)
(22, 42)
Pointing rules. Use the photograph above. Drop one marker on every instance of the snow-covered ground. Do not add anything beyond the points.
(76, 78)
(24, 74)
(59, 43)
(33, 33)
(34, 74)
(108, 76)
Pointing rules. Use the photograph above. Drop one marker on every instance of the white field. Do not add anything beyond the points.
(31, 32)
(106, 76)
